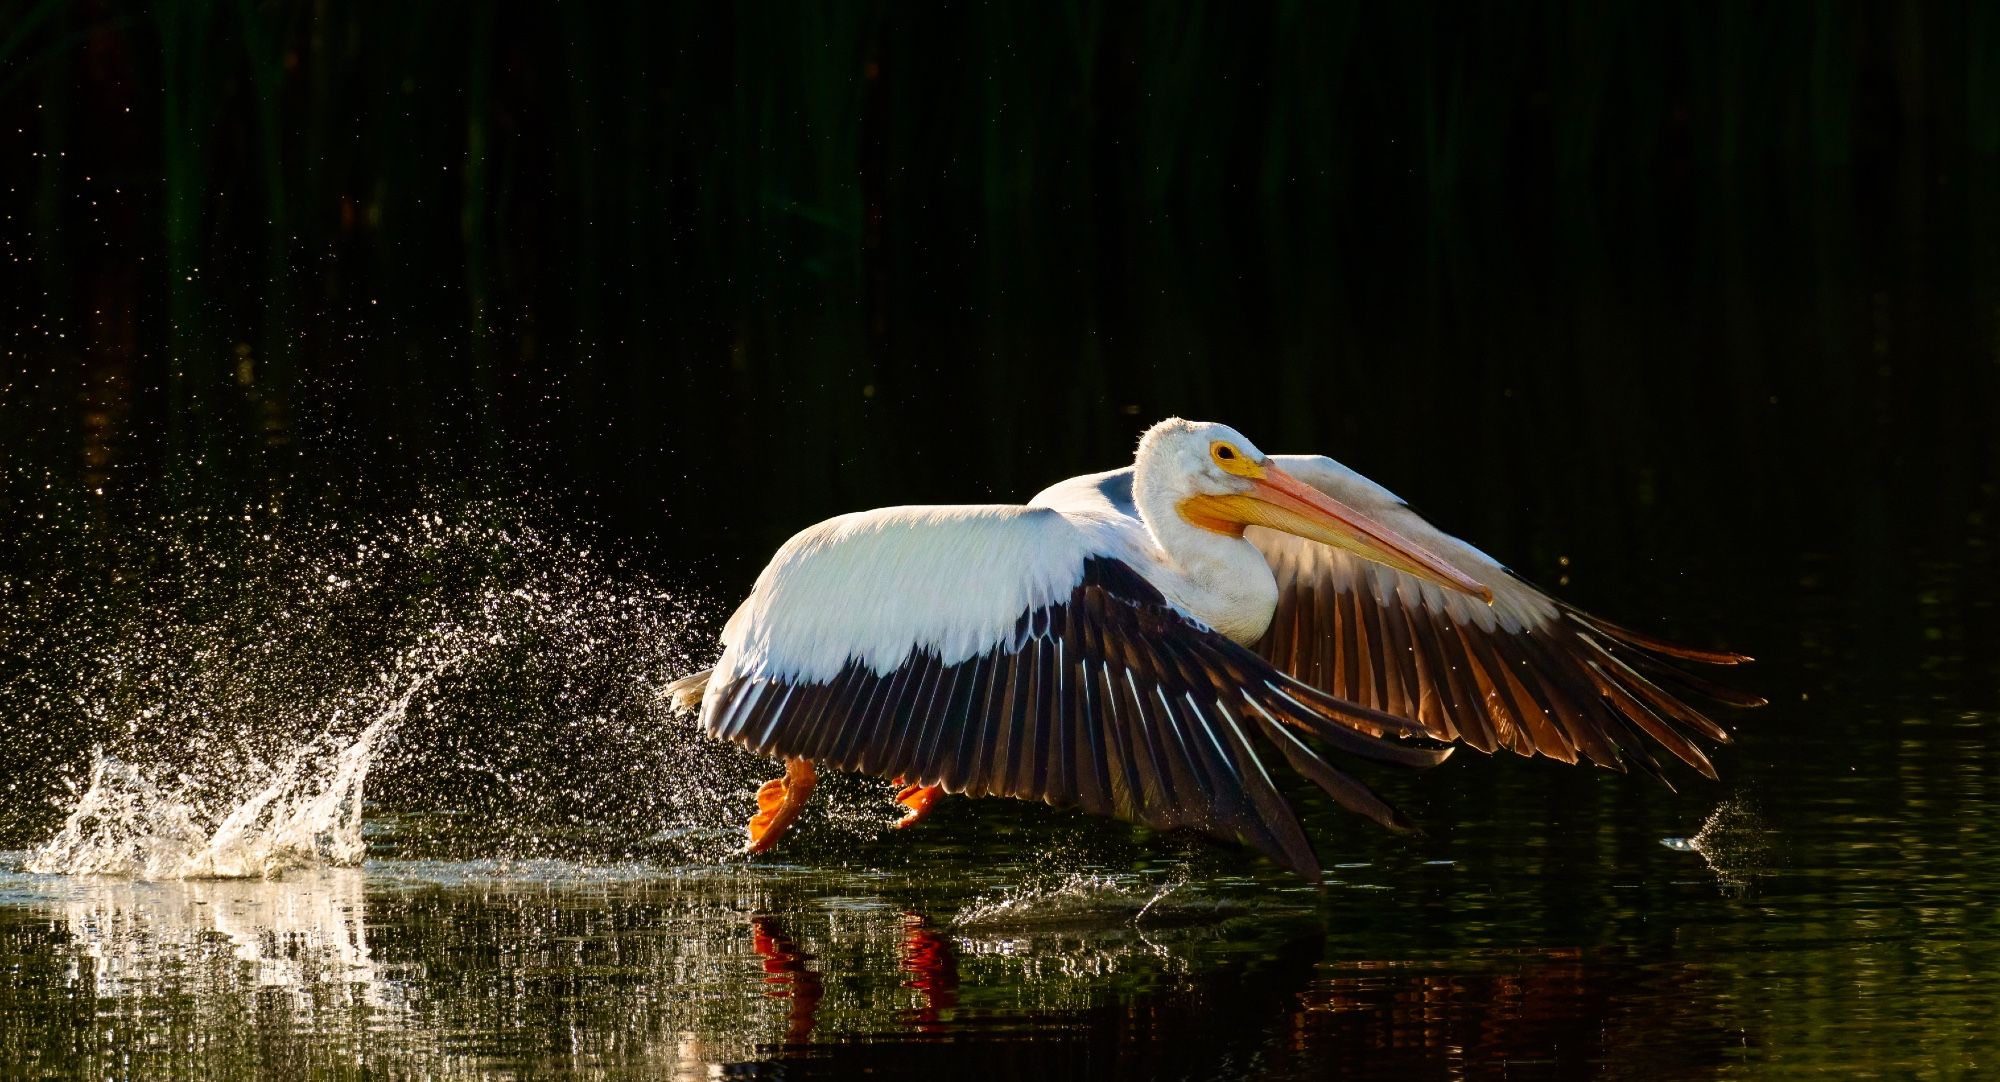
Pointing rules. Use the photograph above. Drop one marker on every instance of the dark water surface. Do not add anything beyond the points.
(344, 350)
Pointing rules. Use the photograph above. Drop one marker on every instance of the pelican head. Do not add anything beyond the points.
(1220, 482)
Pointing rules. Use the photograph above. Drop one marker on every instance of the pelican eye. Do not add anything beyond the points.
(1232, 459)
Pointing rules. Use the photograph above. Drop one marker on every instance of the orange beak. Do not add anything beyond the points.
(1279, 501)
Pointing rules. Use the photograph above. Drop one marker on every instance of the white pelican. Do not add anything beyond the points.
(1137, 643)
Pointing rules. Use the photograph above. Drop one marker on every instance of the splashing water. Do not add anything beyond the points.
(1733, 841)
(1083, 900)
(493, 687)
(307, 812)
(1061, 900)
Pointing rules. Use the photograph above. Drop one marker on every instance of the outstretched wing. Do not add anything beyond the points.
(1526, 673)
(1017, 652)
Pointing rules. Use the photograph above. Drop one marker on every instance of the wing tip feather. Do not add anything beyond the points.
(1655, 644)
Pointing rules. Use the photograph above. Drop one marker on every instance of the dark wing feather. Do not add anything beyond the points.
(1111, 701)
(1532, 676)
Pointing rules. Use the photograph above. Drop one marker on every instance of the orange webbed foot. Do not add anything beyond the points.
(779, 802)
(919, 799)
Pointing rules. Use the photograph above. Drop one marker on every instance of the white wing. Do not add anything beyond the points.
(874, 585)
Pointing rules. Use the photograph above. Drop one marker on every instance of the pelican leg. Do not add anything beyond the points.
(779, 802)
(919, 800)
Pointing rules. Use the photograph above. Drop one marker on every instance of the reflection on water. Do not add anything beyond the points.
(429, 969)
(1513, 1014)
(1546, 955)
(175, 973)
(303, 934)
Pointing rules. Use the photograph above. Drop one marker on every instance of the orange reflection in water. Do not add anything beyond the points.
(787, 975)
(1508, 1012)
(927, 957)
(932, 963)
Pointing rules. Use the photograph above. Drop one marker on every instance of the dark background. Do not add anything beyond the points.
(1687, 302)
